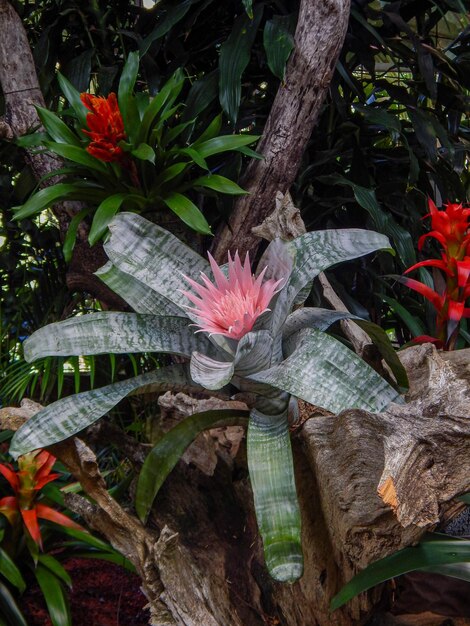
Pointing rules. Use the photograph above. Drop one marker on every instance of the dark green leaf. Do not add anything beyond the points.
(69, 241)
(220, 184)
(234, 57)
(57, 129)
(173, 16)
(126, 101)
(436, 551)
(44, 199)
(9, 608)
(104, 214)
(10, 571)
(78, 155)
(144, 152)
(54, 594)
(56, 568)
(278, 43)
(224, 143)
(188, 212)
(164, 456)
(73, 96)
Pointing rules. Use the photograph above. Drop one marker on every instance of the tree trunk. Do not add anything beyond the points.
(319, 37)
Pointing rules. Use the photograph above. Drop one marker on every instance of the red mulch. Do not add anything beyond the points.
(103, 594)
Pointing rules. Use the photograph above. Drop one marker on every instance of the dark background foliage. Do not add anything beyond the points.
(393, 131)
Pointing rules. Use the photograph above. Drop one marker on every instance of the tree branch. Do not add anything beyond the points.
(319, 36)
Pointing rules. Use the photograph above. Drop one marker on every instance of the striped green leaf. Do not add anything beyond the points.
(272, 480)
(139, 296)
(64, 418)
(169, 449)
(116, 333)
(324, 372)
(153, 256)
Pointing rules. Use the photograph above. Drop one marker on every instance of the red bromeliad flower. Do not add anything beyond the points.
(451, 229)
(232, 305)
(34, 471)
(106, 128)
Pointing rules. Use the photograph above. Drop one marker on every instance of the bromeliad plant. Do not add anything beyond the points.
(450, 228)
(26, 549)
(247, 339)
(126, 152)
(34, 472)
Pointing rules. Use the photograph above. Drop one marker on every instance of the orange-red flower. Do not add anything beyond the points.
(106, 127)
(34, 471)
(451, 229)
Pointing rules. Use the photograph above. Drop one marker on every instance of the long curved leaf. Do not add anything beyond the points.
(235, 54)
(169, 449)
(117, 333)
(10, 571)
(79, 155)
(139, 296)
(322, 371)
(55, 596)
(64, 418)
(272, 479)
(430, 554)
(188, 212)
(9, 608)
(44, 199)
(57, 129)
(278, 42)
(103, 215)
(73, 96)
(153, 256)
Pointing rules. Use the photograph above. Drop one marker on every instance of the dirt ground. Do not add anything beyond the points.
(103, 594)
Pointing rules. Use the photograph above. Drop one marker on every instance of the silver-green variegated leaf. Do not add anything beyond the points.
(116, 333)
(69, 416)
(252, 355)
(318, 318)
(272, 479)
(324, 372)
(315, 252)
(139, 296)
(319, 250)
(154, 257)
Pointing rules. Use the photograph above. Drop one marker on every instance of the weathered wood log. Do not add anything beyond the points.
(200, 558)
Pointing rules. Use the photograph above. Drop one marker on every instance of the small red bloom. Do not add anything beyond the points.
(106, 127)
(451, 229)
(34, 471)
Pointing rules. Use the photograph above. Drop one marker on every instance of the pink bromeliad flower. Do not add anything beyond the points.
(232, 305)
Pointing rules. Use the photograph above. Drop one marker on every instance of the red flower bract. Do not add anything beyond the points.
(34, 471)
(450, 228)
(106, 127)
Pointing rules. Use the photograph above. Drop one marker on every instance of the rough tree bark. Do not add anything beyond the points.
(200, 558)
(319, 37)
(21, 90)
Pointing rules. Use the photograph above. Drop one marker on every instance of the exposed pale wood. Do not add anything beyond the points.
(319, 36)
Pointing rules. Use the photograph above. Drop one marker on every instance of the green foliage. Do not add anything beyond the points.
(147, 170)
(437, 553)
